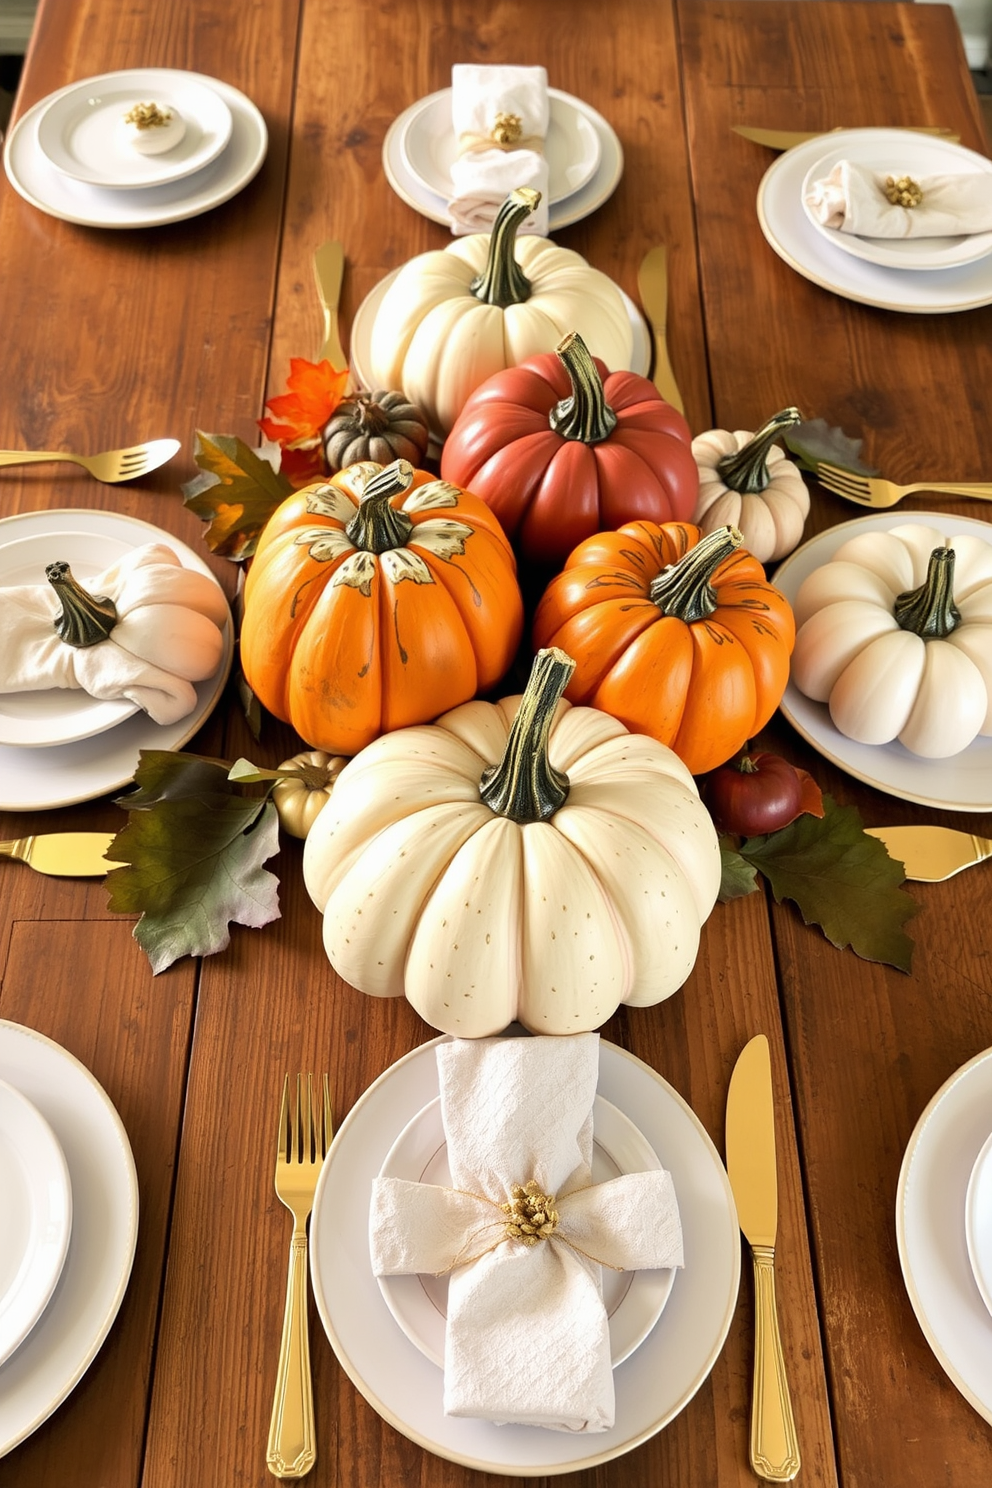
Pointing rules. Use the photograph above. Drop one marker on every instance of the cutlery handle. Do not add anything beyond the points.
(292, 1449)
(33, 457)
(664, 377)
(774, 1444)
(980, 490)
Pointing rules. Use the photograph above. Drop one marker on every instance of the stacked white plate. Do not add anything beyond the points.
(585, 157)
(59, 746)
(914, 275)
(68, 1225)
(72, 156)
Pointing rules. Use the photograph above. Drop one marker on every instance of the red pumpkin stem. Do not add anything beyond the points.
(586, 415)
(930, 611)
(503, 282)
(378, 526)
(683, 589)
(525, 786)
(85, 619)
(746, 470)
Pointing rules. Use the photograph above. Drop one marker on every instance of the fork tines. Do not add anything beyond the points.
(307, 1138)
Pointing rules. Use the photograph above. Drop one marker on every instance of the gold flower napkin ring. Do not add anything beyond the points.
(533, 1215)
(148, 116)
(903, 191)
(507, 133)
(532, 1218)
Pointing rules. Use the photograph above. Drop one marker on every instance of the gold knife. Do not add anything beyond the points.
(63, 854)
(652, 286)
(328, 271)
(751, 1166)
(784, 139)
(930, 854)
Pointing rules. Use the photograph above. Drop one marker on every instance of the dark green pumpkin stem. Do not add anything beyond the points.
(85, 619)
(377, 526)
(683, 589)
(525, 786)
(930, 611)
(746, 470)
(586, 415)
(503, 282)
(368, 416)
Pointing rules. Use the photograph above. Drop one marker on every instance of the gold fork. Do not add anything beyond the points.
(110, 466)
(304, 1136)
(869, 491)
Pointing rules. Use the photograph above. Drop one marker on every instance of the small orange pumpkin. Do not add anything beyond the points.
(678, 635)
(376, 600)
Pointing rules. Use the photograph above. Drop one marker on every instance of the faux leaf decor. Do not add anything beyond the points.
(193, 846)
(236, 493)
(815, 440)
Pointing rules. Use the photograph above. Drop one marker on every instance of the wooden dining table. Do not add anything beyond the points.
(110, 336)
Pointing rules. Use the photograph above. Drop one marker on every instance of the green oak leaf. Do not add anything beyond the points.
(194, 845)
(737, 876)
(814, 440)
(236, 493)
(842, 879)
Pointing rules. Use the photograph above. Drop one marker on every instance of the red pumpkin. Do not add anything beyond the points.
(560, 449)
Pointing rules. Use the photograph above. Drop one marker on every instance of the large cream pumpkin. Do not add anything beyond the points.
(521, 860)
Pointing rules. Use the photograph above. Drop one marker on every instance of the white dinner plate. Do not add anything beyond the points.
(598, 189)
(37, 779)
(56, 715)
(572, 145)
(791, 234)
(961, 783)
(81, 130)
(652, 1386)
(930, 1230)
(978, 1221)
(35, 1216)
(633, 1299)
(901, 152)
(37, 180)
(360, 344)
(64, 1341)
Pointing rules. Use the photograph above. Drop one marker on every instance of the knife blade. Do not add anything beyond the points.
(63, 854)
(931, 854)
(784, 139)
(750, 1134)
(652, 286)
(328, 272)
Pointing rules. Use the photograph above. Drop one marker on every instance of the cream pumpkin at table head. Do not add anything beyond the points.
(522, 860)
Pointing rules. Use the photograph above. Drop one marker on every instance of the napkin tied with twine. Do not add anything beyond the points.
(500, 118)
(527, 1336)
(852, 199)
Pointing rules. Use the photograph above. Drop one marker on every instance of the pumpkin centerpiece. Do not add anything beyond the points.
(560, 449)
(679, 636)
(895, 636)
(454, 316)
(375, 600)
(746, 481)
(516, 860)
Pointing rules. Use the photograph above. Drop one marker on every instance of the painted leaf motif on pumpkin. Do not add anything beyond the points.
(325, 544)
(330, 501)
(358, 572)
(436, 494)
(399, 563)
(444, 538)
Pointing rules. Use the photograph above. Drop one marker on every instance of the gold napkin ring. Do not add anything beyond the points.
(533, 1215)
(903, 192)
(507, 133)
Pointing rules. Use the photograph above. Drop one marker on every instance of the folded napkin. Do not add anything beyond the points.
(489, 104)
(527, 1337)
(34, 657)
(852, 198)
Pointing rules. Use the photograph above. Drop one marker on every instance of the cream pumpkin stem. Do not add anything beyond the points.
(503, 282)
(930, 611)
(585, 415)
(746, 470)
(683, 590)
(377, 526)
(85, 619)
(525, 786)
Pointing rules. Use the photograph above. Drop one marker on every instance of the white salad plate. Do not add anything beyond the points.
(82, 131)
(901, 152)
(978, 1222)
(64, 1341)
(961, 783)
(793, 237)
(56, 715)
(633, 1299)
(35, 1216)
(572, 208)
(572, 145)
(652, 1385)
(32, 174)
(930, 1229)
(36, 779)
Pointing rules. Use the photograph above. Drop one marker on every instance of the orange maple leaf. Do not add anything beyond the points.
(315, 390)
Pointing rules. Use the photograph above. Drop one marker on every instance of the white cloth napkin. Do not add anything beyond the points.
(33, 656)
(527, 1338)
(482, 179)
(852, 199)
